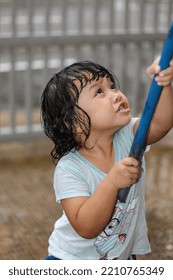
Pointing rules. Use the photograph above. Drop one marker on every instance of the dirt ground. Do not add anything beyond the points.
(28, 209)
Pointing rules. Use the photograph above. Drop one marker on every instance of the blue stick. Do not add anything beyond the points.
(138, 145)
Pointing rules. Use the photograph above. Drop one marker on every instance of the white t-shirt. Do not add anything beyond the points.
(126, 233)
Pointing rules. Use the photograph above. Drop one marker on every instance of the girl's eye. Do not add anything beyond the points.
(99, 91)
(113, 86)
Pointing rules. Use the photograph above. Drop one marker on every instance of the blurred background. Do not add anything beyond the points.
(37, 39)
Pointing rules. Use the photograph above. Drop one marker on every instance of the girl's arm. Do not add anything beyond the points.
(162, 120)
(90, 215)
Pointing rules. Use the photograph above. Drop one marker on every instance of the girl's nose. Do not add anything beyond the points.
(116, 96)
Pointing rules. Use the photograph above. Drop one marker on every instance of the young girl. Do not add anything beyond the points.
(88, 119)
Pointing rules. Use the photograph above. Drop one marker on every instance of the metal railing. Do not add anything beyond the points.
(38, 37)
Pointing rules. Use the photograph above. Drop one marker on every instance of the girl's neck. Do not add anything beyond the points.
(100, 153)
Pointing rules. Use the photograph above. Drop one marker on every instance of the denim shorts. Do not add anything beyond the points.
(51, 258)
(132, 257)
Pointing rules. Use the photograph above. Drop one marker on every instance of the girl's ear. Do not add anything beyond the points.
(79, 133)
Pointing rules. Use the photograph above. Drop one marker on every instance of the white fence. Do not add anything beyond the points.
(38, 37)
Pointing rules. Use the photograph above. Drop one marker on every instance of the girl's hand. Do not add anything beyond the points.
(165, 77)
(125, 173)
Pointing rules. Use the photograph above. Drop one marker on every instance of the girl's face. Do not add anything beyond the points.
(107, 107)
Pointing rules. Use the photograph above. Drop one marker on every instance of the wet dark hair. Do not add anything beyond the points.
(60, 113)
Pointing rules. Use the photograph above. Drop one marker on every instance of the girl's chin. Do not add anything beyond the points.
(127, 119)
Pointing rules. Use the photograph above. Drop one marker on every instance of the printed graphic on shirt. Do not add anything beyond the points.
(116, 231)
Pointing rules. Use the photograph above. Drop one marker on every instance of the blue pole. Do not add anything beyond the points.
(138, 145)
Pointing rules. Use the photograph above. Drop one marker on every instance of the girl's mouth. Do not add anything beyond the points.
(122, 107)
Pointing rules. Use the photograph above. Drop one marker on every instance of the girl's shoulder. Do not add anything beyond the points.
(70, 162)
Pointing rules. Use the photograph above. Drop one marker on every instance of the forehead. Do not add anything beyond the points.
(89, 80)
(99, 82)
